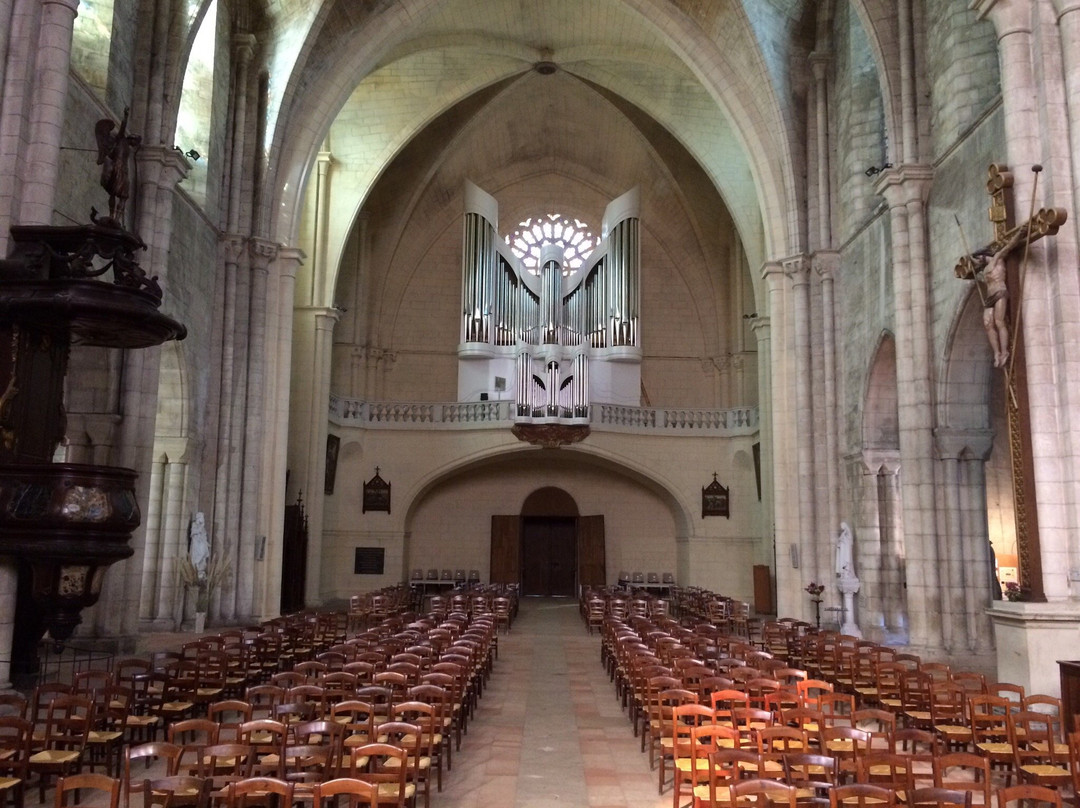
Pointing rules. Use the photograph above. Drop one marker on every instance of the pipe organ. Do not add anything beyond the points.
(567, 339)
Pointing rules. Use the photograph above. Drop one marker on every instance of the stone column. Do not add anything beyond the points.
(789, 595)
(248, 587)
(827, 264)
(819, 63)
(174, 539)
(904, 189)
(766, 554)
(9, 585)
(322, 321)
(52, 66)
(978, 595)
(152, 552)
(798, 269)
(863, 475)
(279, 341)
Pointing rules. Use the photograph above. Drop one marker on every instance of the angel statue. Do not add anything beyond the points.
(114, 154)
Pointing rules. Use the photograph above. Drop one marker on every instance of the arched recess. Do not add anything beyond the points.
(167, 516)
(976, 480)
(643, 518)
(879, 545)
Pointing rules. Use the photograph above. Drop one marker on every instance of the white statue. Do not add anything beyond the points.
(199, 549)
(845, 563)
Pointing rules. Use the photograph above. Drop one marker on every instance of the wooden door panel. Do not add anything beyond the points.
(562, 566)
(592, 559)
(505, 550)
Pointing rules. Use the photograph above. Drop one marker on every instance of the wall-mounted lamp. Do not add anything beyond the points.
(875, 170)
(194, 155)
(751, 316)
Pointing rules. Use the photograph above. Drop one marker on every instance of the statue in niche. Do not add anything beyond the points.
(114, 154)
(199, 548)
(845, 562)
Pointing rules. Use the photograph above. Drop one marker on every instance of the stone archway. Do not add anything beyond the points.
(879, 549)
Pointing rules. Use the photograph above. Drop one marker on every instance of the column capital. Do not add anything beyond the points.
(904, 183)
(826, 264)
(797, 267)
(243, 47)
(263, 251)
(1008, 16)
(819, 63)
(289, 260)
(70, 5)
(761, 326)
(772, 272)
(1063, 7)
(877, 461)
(234, 245)
(954, 444)
(171, 164)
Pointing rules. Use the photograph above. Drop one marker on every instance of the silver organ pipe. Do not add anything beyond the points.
(553, 389)
(524, 384)
(550, 299)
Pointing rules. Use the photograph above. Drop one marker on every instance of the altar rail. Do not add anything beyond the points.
(500, 415)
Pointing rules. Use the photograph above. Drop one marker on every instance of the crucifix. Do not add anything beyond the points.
(999, 276)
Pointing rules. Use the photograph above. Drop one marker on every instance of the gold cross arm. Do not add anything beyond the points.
(1044, 223)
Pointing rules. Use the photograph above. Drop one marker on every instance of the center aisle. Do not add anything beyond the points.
(549, 730)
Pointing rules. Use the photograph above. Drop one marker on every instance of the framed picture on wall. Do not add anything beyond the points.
(333, 446)
(376, 494)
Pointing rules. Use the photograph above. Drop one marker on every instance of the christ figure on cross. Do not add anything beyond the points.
(991, 265)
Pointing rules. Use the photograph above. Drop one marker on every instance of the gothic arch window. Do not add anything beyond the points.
(573, 235)
(196, 102)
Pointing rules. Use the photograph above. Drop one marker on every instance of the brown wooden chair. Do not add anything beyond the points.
(813, 774)
(147, 753)
(69, 791)
(358, 793)
(258, 790)
(862, 795)
(761, 793)
(60, 751)
(176, 791)
(934, 797)
(1037, 752)
(15, 735)
(386, 767)
(1028, 795)
(964, 771)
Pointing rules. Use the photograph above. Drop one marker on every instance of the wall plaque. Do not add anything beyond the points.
(376, 494)
(715, 500)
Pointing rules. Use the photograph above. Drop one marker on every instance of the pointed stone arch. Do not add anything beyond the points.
(167, 514)
(975, 476)
(879, 547)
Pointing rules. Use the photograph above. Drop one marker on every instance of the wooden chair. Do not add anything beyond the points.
(386, 767)
(229, 715)
(359, 793)
(761, 793)
(964, 771)
(147, 753)
(1027, 795)
(1037, 753)
(15, 736)
(176, 791)
(934, 797)
(862, 795)
(887, 770)
(257, 790)
(192, 735)
(416, 743)
(948, 715)
(61, 748)
(726, 766)
(99, 785)
(847, 745)
(693, 768)
(814, 775)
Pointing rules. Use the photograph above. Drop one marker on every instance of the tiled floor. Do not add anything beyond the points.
(549, 730)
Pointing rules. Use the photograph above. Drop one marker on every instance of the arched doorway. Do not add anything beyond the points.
(549, 543)
(548, 548)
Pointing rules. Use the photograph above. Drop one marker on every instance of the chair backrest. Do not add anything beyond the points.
(360, 793)
(238, 792)
(862, 795)
(94, 782)
(938, 797)
(1028, 794)
(179, 791)
(764, 793)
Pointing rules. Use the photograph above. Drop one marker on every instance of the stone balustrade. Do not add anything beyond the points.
(500, 415)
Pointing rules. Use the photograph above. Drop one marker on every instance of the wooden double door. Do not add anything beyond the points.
(548, 555)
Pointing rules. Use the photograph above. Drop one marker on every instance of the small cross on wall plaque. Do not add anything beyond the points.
(715, 500)
(376, 494)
